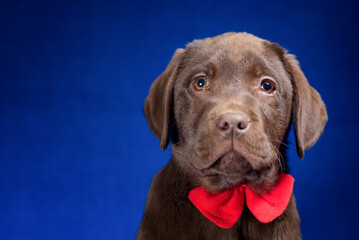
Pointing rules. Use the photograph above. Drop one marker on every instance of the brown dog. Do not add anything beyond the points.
(229, 101)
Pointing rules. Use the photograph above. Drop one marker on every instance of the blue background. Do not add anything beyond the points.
(76, 154)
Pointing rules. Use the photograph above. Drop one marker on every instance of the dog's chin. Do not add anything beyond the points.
(260, 180)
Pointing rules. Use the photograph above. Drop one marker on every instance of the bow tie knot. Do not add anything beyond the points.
(225, 208)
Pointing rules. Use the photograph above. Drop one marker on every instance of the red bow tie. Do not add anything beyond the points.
(225, 208)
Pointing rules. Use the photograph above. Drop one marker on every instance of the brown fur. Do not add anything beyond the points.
(205, 155)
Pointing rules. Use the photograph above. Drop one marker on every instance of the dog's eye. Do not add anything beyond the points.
(201, 83)
(267, 86)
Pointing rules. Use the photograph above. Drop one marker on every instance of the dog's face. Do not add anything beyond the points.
(230, 100)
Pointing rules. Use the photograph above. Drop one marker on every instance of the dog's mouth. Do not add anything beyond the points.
(232, 169)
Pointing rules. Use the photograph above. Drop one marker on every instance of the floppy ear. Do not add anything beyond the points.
(309, 113)
(159, 100)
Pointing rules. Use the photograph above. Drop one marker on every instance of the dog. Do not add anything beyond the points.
(227, 104)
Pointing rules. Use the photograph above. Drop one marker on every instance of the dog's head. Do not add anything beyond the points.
(230, 101)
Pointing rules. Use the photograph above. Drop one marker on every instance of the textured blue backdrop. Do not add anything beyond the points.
(76, 154)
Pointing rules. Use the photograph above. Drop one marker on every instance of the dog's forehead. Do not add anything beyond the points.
(234, 53)
(235, 59)
(230, 46)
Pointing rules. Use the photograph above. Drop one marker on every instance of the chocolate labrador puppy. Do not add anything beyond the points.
(227, 103)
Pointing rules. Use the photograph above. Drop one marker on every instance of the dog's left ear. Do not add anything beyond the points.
(308, 112)
(159, 100)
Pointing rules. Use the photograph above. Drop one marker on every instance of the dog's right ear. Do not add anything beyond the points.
(309, 112)
(159, 100)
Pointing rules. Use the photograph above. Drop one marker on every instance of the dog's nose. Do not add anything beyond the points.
(232, 124)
